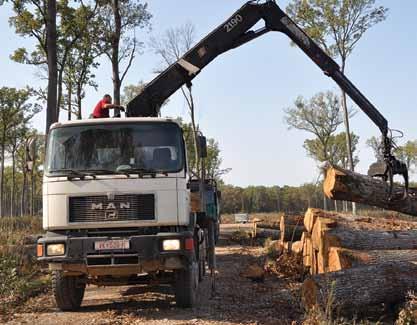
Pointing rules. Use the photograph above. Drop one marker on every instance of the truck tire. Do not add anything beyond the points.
(186, 285)
(68, 291)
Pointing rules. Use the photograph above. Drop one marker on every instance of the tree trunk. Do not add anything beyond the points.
(13, 195)
(115, 54)
(347, 127)
(79, 102)
(69, 100)
(356, 289)
(341, 258)
(51, 109)
(2, 180)
(24, 190)
(341, 184)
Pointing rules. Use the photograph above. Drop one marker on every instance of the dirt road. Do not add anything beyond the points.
(237, 301)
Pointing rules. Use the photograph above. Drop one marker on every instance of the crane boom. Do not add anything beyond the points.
(231, 34)
(236, 31)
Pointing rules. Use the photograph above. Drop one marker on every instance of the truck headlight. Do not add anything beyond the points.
(55, 249)
(171, 245)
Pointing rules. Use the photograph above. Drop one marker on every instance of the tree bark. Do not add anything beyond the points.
(51, 106)
(356, 289)
(341, 184)
(347, 128)
(115, 54)
(2, 179)
(69, 100)
(13, 195)
(341, 258)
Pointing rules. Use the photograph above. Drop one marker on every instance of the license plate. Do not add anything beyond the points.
(112, 244)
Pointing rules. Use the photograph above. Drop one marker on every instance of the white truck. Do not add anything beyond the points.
(116, 196)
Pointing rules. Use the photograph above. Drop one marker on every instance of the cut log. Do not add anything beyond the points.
(311, 216)
(287, 219)
(297, 247)
(267, 233)
(344, 185)
(361, 240)
(291, 228)
(357, 288)
(369, 239)
(306, 250)
(340, 258)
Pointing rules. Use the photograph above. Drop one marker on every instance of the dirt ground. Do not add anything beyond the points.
(237, 300)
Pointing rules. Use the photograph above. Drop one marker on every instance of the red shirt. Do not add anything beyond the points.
(100, 110)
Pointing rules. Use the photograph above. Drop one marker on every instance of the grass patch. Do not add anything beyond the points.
(20, 275)
(13, 230)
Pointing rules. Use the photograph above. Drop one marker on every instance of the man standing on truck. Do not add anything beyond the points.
(103, 106)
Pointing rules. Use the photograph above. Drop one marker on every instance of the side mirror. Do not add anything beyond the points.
(31, 145)
(202, 146)
(219, 195)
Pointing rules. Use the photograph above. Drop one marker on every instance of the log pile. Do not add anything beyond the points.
(357, 261)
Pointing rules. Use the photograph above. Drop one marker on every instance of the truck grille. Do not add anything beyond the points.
(120, 208)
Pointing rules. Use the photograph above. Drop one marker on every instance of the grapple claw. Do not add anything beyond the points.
(386, 170)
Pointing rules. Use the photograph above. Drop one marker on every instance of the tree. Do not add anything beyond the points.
(321, 115)
(337, 25)
(78, 71)
(375, 144)
(55, 40)
(51, 54)
(335, 152)
(170, 47)
(15, 111)
(212, 162)
(118, 21)
(408, 154)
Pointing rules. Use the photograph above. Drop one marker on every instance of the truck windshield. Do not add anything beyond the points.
(117, 147)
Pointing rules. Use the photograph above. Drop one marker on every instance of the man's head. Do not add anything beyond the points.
(107, 98)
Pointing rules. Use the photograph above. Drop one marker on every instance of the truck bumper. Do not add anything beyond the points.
(145, 254)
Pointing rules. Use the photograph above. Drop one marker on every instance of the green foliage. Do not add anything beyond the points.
(212, 162)
(14, 229)
(20, 275)
(117, 22)
(336, 151)
(320, 115)
(253, 199)
(408, 154)
(375, 144)
(336, 25)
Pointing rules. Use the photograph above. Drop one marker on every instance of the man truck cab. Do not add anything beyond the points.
(117, 208)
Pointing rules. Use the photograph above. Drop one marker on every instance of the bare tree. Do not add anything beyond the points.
(171, 46)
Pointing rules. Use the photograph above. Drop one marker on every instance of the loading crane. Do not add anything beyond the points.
(238, 30)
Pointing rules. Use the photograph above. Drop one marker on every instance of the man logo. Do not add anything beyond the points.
(110, 206)
(110, 215)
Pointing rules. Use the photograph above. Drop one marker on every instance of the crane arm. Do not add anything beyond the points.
(236, 31)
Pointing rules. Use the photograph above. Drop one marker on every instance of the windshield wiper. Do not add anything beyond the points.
(144, 171)
(70, 173)
(101, 171)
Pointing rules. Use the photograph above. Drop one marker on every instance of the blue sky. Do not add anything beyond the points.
(240, 97)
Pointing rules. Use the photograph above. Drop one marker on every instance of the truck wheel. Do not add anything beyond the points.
(185, 286)
(68, 291)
